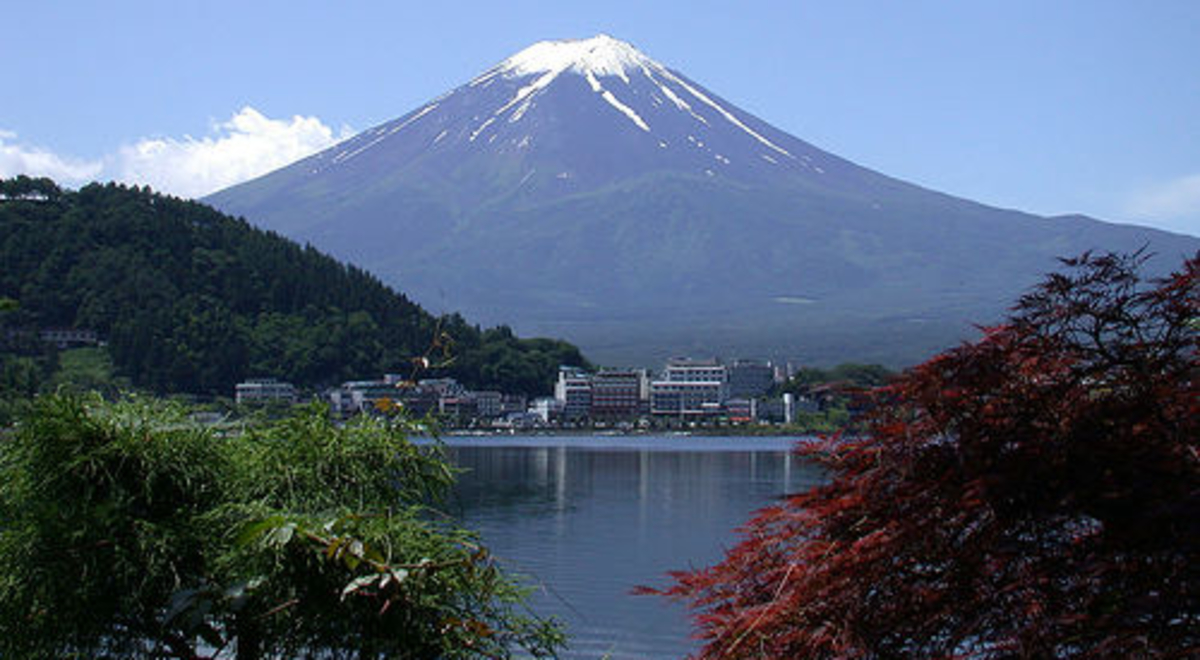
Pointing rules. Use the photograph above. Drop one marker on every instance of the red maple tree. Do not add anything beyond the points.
(1033, 494)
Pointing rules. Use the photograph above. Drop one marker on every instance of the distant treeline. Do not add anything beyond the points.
(192, 301)
(849, 375)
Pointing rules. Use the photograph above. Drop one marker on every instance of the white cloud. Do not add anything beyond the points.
(16, 158)
(1173, 205)
(246, 146)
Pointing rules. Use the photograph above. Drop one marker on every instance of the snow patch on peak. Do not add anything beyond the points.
(424, 111)
(679, 102)
(614, 102)
(525, 94)
(482, 128)
(625, 110)
(723, 112)
(601, 55)
(595, 84)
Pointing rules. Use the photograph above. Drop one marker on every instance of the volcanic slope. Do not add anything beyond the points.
(581, 189)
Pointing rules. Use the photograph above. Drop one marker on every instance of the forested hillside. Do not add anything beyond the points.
(190, 300)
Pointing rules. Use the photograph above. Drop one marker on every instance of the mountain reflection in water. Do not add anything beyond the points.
(589, 518)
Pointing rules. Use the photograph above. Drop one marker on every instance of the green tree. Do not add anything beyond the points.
(190, 300)
(847, 375)
(131, 531)
(21, 369)
(86, 369)
(20, 378)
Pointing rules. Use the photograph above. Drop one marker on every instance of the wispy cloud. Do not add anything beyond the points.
(17, 158)
(248, 145)
(1173, 204)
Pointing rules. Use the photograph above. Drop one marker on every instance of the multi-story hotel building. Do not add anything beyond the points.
(573, 390)
(618, 394)
(689, 388)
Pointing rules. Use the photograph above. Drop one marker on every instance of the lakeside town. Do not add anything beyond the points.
(739, 395)
(686, 393)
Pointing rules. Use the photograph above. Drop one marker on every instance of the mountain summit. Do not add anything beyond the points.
(639, 79)
(581, 189)
(590, 112)
(599, 56)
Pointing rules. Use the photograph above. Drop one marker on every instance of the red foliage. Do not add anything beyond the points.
(1032, 494)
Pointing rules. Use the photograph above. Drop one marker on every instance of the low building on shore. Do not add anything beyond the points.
(264, 390)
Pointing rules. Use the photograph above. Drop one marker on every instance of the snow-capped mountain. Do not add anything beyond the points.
(582, 189)
(571, 115)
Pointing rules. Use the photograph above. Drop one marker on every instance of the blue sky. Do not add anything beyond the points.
(1049, 107)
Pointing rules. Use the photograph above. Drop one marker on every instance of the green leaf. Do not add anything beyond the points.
(359, 583)
(254, 531)
(280, 536)
(394, 575)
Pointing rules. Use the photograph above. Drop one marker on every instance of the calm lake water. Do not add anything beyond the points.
(589, 518)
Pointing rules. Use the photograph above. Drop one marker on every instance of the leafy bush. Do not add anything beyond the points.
(129, 530)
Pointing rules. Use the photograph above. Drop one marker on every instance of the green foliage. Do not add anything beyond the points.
(830, 420)
(132, 531)
(190, 300)
(28, 188)
(849, 374)
(837, 392)
(88, 369)
(499, 360)
(22, 369)
(20, 378)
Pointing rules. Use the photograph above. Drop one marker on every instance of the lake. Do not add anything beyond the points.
(588, 518)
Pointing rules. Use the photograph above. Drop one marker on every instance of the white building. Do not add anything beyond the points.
(689, 388)
(67, 337)
(573, 391)
(546, 409)
(261, 390)
(363, 395)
